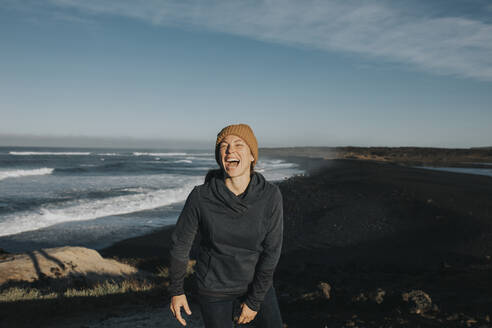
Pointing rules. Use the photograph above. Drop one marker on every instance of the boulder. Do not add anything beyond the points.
(419, 301)
(61, 262)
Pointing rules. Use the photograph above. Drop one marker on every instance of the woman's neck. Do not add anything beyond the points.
(238, 184)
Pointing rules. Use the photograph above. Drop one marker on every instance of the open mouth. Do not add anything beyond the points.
(232, 163)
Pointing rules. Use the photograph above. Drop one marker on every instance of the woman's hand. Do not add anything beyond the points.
(177, 302)
(246, 314)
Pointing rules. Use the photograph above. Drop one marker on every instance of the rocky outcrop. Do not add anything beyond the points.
(419, 301)
(60, 262)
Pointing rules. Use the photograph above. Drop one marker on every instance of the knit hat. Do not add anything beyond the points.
(243, 131)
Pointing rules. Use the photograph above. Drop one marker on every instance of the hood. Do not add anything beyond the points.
(257, 188)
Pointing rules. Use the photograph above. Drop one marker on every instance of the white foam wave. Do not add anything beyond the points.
(158, 154)
(46, 153)
(22, 173)
(183, 161)
(276, 164)
(108, 154)
(199, 168)
(282, 165)
(137, 189)
(80, 210)
(195, 168)
(201, 158)
(203, 154)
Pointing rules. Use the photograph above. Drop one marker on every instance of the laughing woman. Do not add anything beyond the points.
(240, 219)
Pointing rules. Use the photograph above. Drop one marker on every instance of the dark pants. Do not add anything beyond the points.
(219, 312)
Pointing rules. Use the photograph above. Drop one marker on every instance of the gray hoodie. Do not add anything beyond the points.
(241, 239)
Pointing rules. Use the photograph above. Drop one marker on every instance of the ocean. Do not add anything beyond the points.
(95, 197)
(467, 170)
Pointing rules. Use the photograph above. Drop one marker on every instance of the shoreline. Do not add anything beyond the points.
(372, 232)
(20, 242)
(144, 246)
(134, 246)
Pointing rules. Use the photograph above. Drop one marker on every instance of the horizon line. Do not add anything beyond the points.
(133, 142)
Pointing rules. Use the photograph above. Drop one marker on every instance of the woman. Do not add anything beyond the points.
(240, 219)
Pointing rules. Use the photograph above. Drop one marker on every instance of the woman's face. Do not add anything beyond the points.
(233, 149)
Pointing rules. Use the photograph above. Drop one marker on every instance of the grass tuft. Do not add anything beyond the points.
(105, 288)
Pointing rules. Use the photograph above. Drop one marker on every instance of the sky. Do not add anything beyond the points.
(300, 73)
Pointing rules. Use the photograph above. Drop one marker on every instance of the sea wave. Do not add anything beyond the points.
(203, 154)
(201, 158)
(25, 153)
(22, 173)
(159, 154)
(276, 164)
(80, 210)
(109, 167)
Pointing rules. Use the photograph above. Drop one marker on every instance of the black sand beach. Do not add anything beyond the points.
(366, 244)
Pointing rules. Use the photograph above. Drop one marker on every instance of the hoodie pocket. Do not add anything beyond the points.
(228, 271)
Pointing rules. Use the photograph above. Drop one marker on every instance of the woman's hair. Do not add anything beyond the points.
(219, 173)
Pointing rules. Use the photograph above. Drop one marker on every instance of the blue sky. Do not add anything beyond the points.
(301, 73)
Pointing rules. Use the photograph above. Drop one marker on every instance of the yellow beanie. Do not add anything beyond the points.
(243, 131)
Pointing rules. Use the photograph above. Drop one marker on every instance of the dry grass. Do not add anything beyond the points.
(15, 294)
(163, 271)
(105, 288)
(57, 289)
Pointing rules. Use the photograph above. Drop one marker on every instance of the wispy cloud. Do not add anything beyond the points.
(38, 13)
(444, 45)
